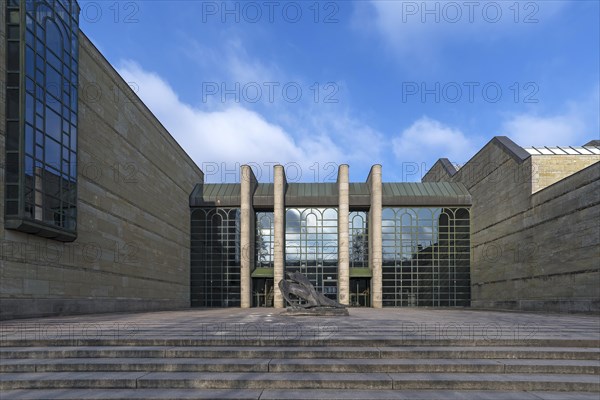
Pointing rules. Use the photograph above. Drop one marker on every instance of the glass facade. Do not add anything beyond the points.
(215, 257)
(265, 239)
(424, 250)
(426, 257)
(311, 246)
(359, 239)
(41, 147)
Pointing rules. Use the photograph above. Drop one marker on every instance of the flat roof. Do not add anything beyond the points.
(424, 194)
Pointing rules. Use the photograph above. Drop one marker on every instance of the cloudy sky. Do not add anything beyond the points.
(314, 84)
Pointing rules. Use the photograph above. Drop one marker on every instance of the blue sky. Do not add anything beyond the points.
(315, 84)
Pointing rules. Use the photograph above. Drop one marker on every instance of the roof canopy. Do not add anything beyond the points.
(326, 194)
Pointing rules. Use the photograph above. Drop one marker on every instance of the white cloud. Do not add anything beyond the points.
(234, 134)
(428, 139)
(421, 28)
(575, 126)
(532, 130)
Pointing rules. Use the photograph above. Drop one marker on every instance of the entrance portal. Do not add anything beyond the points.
(262, 292)
(360, 292)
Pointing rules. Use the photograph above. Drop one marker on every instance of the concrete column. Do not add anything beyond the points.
(247, 187)
(375, 239)
(343, 235)
(279, 187)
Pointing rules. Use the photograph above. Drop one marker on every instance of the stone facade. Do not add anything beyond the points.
(134, 181)
(535, 239)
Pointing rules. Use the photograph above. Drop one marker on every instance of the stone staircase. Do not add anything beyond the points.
(300, 369)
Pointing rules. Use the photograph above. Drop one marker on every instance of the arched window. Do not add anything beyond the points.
(311, 246)
(426, 253)
(215, 257)
(41, 150)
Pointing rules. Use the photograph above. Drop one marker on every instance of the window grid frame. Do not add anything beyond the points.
(325, 263)
(47, 191)
(407, 281)
(209, 265)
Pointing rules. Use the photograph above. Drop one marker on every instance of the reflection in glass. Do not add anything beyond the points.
(311, 246)
(359, 239)
(265, 239)
(426, 253)
(215, 257)
(49, 188)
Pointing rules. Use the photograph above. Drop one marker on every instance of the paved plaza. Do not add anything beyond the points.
(400, 325)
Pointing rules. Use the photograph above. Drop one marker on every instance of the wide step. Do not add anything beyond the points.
(308, 394)
(408, 352)
(539, 366)
(252, 380)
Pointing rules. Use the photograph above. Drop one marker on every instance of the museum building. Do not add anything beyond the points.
(103, 211)
(364, 244)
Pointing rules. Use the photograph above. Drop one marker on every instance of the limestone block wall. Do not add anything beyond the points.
(132, 250)
(532, 251)
(548, 169)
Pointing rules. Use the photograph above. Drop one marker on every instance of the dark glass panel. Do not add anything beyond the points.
(29, 167)
(39, 77)
(39, 138)
(12, 168)
(29, 108)
(39, 49)
(28, 139)
(39, 94)
(53, 124)
(54, 37)
(12, 192)
(12, 79)
(12, 97)
(52, 153)
(29, 38)
(12, 207)
(13, 32)
(53, 81)
(73, 165)
(12, 136)
(54, 60)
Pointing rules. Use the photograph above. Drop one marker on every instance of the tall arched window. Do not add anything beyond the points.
(41, 150)
(311, 246)
(359, 239)
(215, 257)
(265, 239)
(426, 257)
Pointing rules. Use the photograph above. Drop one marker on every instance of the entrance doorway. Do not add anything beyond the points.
(360, 292)
(263, 292)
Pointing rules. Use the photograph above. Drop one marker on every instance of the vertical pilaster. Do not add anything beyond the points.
(247, 187)
(279, 187)
(343, 235)
(375, 239)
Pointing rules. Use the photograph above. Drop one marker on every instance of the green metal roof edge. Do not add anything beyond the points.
(360, 273)
(262, 273)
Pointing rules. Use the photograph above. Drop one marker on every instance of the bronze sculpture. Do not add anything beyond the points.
(299, 286)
